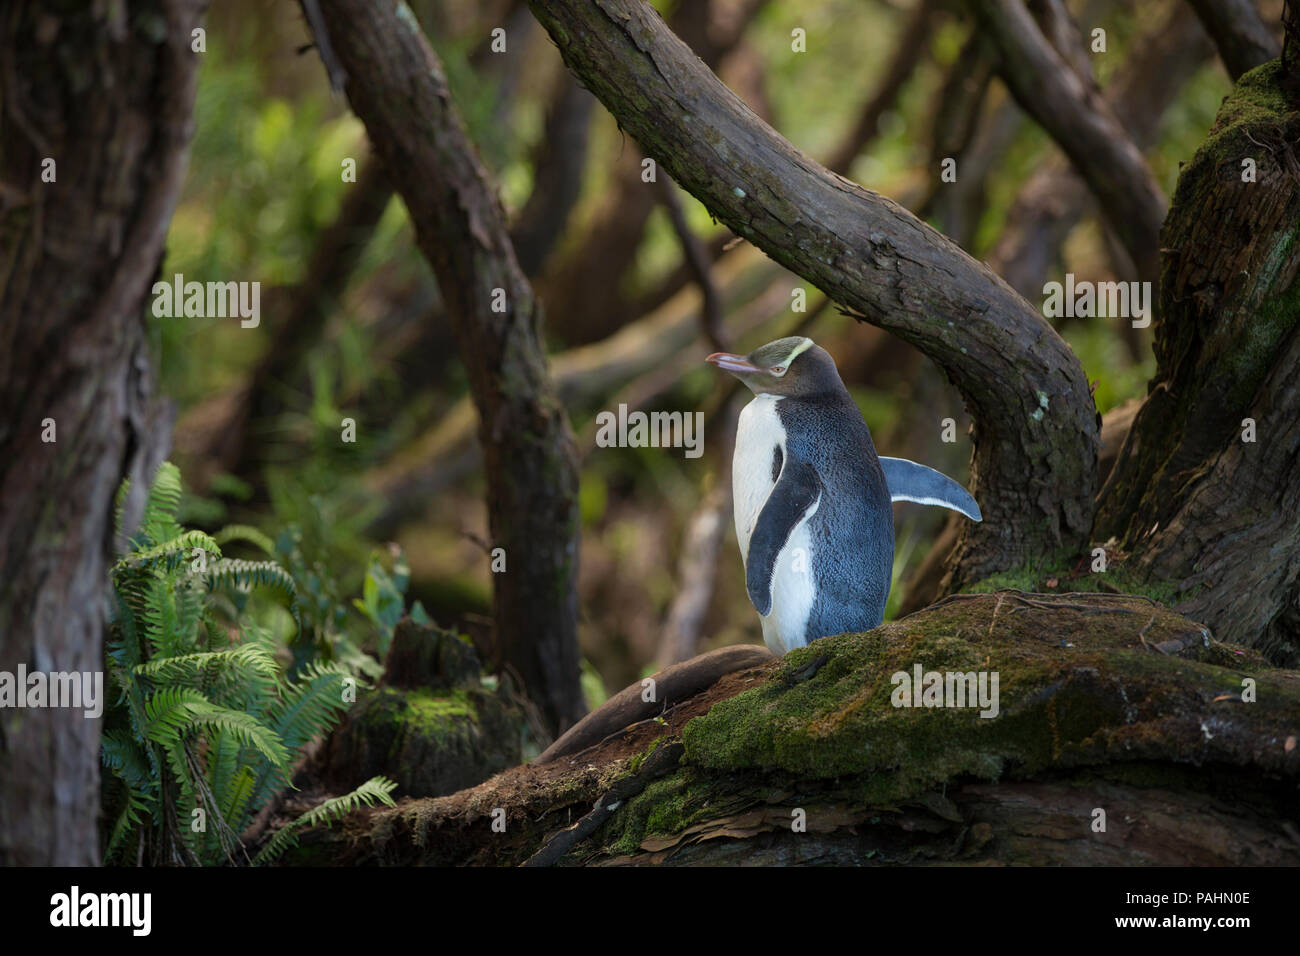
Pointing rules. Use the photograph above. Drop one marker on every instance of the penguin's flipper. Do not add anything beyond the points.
(909, 481)
(796, 490)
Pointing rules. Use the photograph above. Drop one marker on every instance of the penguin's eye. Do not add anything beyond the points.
(777, 370)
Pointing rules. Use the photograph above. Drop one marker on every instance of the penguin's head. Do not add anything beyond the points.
(793, 366)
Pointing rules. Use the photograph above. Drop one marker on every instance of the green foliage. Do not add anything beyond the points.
(204, 726)
(375, 790)
(320, 535)
(593, 687)
(321, 546)
(383, 601)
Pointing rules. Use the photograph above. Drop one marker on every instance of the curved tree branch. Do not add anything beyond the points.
(1035, 457)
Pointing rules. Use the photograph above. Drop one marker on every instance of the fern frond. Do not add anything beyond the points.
(308, 707)
(119, 506)
(124, 756)
(174, 711)
(244, 658)
(311, 705)
(236, 795)
(126, 823)
(179, 547)
(375, 790)
(244, 532)
(172, 616)
(245, 575)
(159, 521)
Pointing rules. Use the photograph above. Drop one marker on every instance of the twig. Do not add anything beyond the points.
(1142, 634)
(697, 260)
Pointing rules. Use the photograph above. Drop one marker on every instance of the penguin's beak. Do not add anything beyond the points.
(732, 363)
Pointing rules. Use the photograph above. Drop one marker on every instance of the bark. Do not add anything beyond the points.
(109, 97)
(1199, 508)
(1035, 455)
(397, 88)
(1051, 204)
(1104, 704)
(1082, 124)
(1243, 40)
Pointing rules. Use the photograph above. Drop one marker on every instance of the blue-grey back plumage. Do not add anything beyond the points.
(853, 530)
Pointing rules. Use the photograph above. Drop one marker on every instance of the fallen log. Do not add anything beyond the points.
(1117, 732)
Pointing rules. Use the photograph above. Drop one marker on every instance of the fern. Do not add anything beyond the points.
(159, 521)
(243, 576)
(201, 715)
(315, 700)
(375, 790)
(172, 551)
(191, 668)
(243, 532)
(176, 711)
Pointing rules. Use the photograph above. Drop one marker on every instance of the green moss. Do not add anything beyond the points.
(1163, 592)
(664, 808)
(634, 764)
(430, 712)
(1028, 578)
(1254, 121)
(1075, 689)
(1035, 576)
(1257, 100)
(395, 715)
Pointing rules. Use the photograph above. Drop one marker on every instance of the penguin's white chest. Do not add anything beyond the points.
(759, 434)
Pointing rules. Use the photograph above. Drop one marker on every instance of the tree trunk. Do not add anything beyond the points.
(108, 97)
(396, 86)
(1202, 505)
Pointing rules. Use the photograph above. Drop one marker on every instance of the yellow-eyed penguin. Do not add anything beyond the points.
(812, 499)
